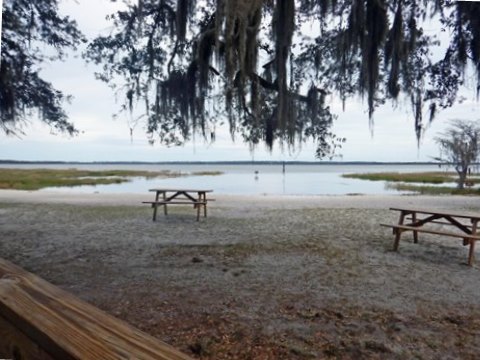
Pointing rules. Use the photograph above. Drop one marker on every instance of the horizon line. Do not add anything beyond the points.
(226, 162)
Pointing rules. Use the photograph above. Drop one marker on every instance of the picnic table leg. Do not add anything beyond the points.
(466, 240)
(471, 252)
(198, 211)
(165, 205)
(205, 204)
(155, 207)
(398, 232)
(415, 233)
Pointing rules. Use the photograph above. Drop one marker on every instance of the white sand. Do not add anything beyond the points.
(270, 267)
(262, 201)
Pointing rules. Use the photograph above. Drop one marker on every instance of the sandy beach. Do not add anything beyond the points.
(262, 277)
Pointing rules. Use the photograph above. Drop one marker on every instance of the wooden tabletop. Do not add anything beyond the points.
(441, 213)
(181, 190)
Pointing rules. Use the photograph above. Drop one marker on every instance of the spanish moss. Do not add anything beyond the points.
(253, 64)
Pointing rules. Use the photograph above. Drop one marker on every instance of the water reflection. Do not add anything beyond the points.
(237, 179)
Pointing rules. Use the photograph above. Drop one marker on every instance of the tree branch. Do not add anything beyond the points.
(274, 86)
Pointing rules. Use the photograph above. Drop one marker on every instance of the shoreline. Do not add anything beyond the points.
(367, 201)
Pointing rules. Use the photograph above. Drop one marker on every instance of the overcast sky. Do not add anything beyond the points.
(105, 139)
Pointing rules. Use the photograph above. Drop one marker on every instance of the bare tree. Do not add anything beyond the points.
(459, 146)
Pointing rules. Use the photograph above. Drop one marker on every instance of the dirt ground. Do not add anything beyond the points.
(261, 277)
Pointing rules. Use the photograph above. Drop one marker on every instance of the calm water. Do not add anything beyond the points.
(318, 179)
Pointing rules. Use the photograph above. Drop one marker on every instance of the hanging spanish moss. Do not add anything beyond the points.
(468, 35)
(395, 52)
(252, 64)
(284, 25)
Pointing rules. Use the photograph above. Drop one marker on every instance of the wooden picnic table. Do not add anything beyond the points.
(420, 220)
(169, 196)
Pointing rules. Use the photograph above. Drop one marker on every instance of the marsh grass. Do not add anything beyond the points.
(403, 182)
(434, 190)
(421, 177)
(34, 179)
(207, 173)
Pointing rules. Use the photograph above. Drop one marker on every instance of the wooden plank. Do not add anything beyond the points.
(16, 345)
(471, 253)
(415, 233)
(443, 223)
(432, 231)
(66, 327)
(428, 219)
(441, 213)
(175, 202)
(459, 225)
(398, 233)
(175, 190)
(178, 194)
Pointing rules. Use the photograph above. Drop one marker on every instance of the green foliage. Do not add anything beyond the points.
(194, 64)
(32, 33)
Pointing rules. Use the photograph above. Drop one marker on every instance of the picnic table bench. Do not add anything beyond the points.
(464, 224)
(195, 197)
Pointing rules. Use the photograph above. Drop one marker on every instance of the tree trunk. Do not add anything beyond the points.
(462, 176)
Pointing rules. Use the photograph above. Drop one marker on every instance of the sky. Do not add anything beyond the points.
(101, 138)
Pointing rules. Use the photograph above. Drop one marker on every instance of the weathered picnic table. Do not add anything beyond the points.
(165, 197)
(419, 220)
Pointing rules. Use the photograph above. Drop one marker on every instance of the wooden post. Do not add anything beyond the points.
(165, 204)
(415, 233)
(198, 211)
(205, 204)
(398, 232)
(39, 321)
(471, 252)
(14, 344)
(155, 205)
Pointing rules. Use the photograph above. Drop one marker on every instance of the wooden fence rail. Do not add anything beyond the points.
(40, 321)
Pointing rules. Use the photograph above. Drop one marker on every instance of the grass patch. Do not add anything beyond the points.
(207, 173)
(433, 190)
(34, 179)
(420, 177)
(403, 182)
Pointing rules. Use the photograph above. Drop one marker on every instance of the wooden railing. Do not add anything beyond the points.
(40, 321)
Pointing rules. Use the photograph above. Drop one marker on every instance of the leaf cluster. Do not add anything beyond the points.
(33, 32)
(267, 66)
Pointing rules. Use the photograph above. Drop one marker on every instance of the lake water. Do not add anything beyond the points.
(251, 179)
